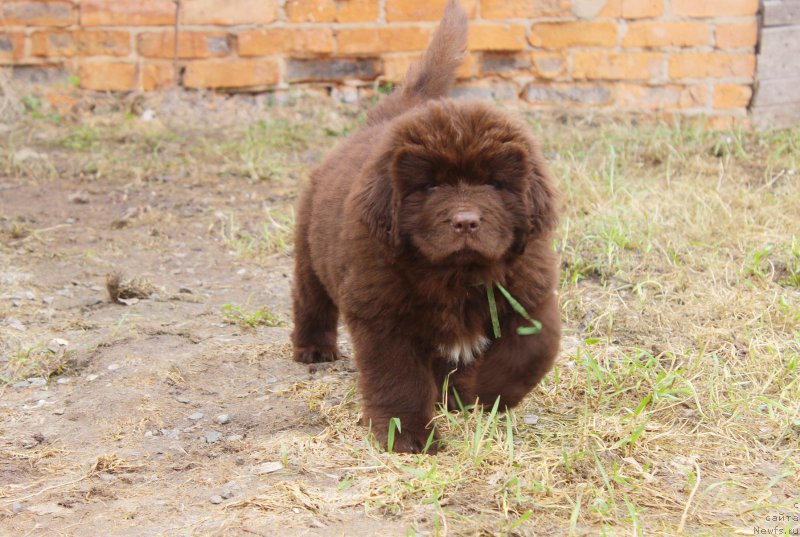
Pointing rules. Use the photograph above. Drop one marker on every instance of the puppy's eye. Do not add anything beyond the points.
(431, 187)
(497, 185)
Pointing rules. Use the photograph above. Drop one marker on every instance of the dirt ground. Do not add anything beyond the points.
(177, 410)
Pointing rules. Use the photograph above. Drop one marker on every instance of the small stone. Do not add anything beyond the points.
(92, 377)
(267, 468)
(64, 292)
(16, 325)
(185, 290)
(531, 419)
(213, 436)
(37, 381)
(108, 478)
(48, 300)
(29, 295)
(232, 486)
(226, 493)
(148, 434)
(222, 419)
(182, 399)
(234, 438)
(241, 272)
(113, 367)
(58, 342)
(216, 499)
(63, 380)
(17, 507)
(59, 411)
(196, 416)
(21, 384)
(16, 302)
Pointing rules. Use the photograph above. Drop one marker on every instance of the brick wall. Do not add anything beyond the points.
(693, 56)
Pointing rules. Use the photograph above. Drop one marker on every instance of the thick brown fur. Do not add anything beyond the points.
(401, 228)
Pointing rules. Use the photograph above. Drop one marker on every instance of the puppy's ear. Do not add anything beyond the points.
(376, 202)
(542, 197)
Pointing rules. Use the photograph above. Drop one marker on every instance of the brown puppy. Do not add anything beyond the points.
(401, 229)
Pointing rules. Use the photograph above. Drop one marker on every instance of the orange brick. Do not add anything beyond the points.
(496, 37)
(63, 103)
(666, 34)
(81, 43)
(737, 35)
(157, 76)
(52, 13)
(616, 66)
(12, 46)
(275, 40)
(108, 76)
(670, 97)
(384, 39)
(228, 12)
(415, 10)
(190, 44)
(231, 73)
(332, 10)
(127, 12)
(627, 9)
(714, 8)
(523, 9)
(728, 96)
(558, 35)
(712, 65)
(549, 65)
(641, 9)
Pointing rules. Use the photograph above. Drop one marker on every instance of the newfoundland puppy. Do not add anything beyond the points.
(407, 229)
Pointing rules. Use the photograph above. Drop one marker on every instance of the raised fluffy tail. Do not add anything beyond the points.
(435, 74)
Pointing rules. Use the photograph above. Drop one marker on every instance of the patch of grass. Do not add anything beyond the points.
(82, 138)
(272, 236)
(41, 361)
(239, 315)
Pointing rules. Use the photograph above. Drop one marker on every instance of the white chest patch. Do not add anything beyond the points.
(465, 351)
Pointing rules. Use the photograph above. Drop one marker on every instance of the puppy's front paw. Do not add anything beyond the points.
(314, 355)
(408, 439)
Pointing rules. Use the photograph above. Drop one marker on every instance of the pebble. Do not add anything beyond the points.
(63, 380)
(48, 300)
(183, 399)
(226, 493)
(222, 419)
(21, 384)
(37, 381)
(16, 325)
(232, 486)
(29, 295)
(59, 411)
(16, 507)
(16, 302)
(113, 367)
(215, 499)
(531, 419)
(92, 377)
(267, 468)
(213, 436)
(196, 416)
(234, 438)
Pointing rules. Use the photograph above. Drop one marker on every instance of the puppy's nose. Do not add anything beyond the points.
(466, 222)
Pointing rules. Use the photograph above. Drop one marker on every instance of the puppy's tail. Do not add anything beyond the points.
(435, 74)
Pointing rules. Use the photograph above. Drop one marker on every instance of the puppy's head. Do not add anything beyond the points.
(460, 183)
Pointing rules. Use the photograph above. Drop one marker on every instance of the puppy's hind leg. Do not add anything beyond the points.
(315, 314)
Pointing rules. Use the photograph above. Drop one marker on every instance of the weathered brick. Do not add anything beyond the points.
(616, 66)
(51, 13)
(228, 12)
(332, 10)
(232, 73)
(190, 44)
(628, 9)
(549, 65)
(737, 35)
(523, 9)
(108, 76)
(395, 66)
(496, 37)
(127, 12)
(728, 96)
(714, 8)
(81, 43)
(558, 35)
(487, 90)
(494, 63)
(12, 46)
(711, 65)
(157, 76)
(276, 40)
(383, 39)
(301, 70)
(415, 11)
(669, 97)
(666, 34)
(564, 94)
